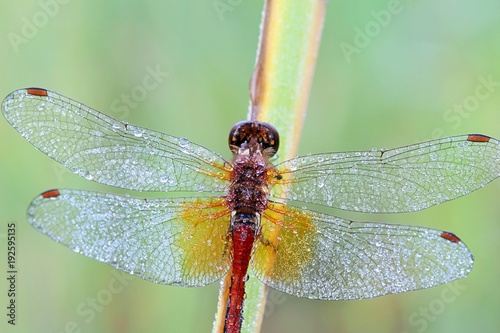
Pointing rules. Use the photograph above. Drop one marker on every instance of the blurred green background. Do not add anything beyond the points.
(399, 87)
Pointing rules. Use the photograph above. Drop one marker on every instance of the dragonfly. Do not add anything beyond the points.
(247, 214)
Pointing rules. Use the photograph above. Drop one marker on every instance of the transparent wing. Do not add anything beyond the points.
(109, 151)
(325, 257)
(174, 241)
(403, 179)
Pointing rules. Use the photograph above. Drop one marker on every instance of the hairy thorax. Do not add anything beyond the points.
(248, 190)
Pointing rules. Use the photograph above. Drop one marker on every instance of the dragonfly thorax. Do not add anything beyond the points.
(249, 189)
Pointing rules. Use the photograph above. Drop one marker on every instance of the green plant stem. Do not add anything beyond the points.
(279, 91)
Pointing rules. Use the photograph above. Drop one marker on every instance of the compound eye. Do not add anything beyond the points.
(254, 135)
(239, 134)
(270, 139)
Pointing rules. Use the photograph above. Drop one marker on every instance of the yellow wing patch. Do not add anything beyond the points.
(204, 238)
(284, 243)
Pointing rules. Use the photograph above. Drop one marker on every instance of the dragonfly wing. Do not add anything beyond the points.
(174, 241)
(110, 151)
(403, 179)
(325, 257)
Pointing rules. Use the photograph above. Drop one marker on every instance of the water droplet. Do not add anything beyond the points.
(88, 176)
(138, 132)
(116, 125)
(183, 142)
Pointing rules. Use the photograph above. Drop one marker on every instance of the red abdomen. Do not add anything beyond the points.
(243, 238)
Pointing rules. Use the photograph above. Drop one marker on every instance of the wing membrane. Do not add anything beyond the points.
(174, 241)
(338, 259)
(109, 151)
(398, 180)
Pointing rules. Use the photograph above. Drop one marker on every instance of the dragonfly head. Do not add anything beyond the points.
(254, 137)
